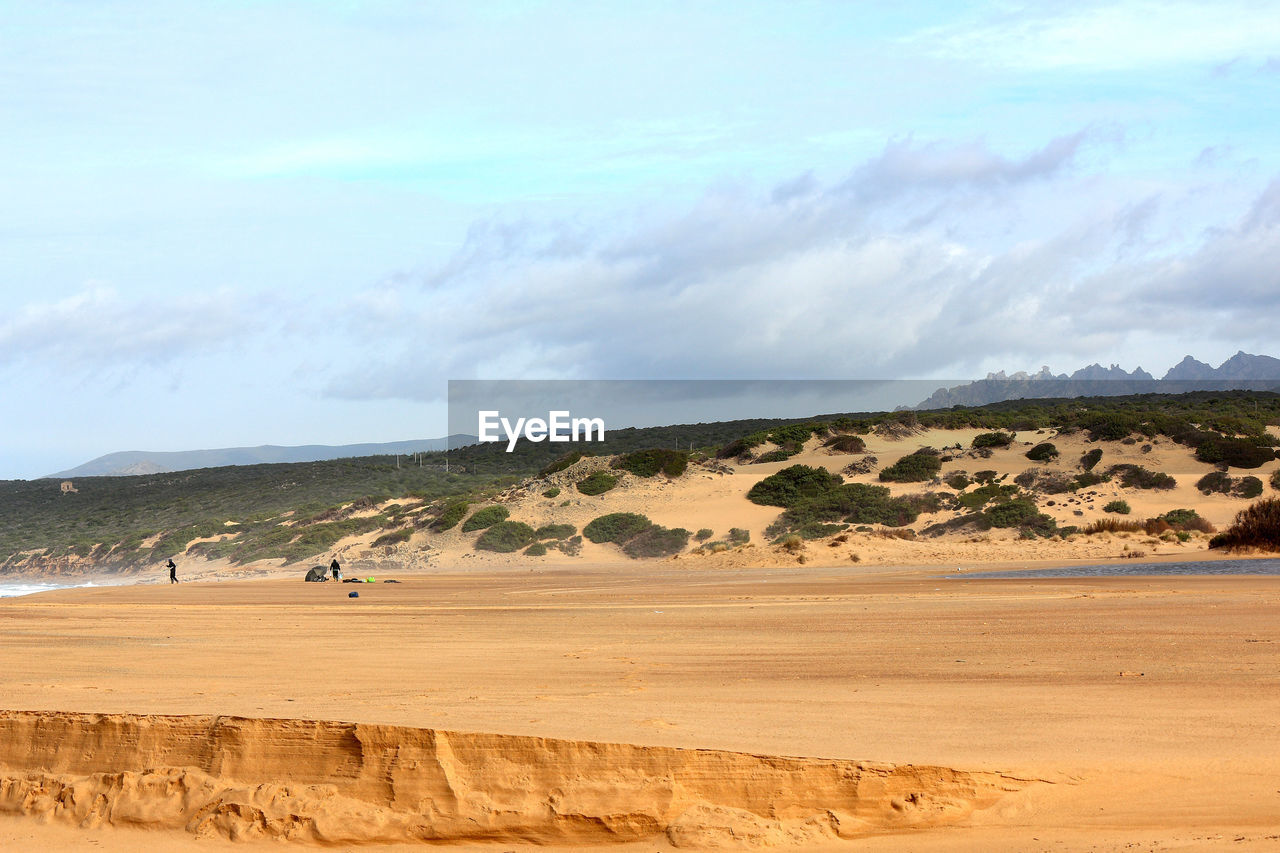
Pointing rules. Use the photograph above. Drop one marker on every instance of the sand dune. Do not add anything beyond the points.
(333, 783)
(713, 496)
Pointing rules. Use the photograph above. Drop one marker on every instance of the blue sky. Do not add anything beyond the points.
(293, 222)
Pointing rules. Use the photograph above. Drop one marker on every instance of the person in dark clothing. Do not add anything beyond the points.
(336, 569)
(173, 571)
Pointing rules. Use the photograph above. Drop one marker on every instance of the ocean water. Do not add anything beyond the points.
(11, 590)
(1260, 566)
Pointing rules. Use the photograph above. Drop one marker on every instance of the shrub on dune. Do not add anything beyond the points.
(917, 467)
(992, 439)
(648, 463)
(556, 531)
(1234, 452)
(1043, 452)
(486, 517)
(615, 527)
(1137, 477)
(845, 443)
(1256, 526)
(656, 541)
(597, 483)
(563, 462)
(792, 485)
(453, 513)
(505, 537)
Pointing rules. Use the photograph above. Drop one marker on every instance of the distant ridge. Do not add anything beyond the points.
(131, 462)
(1240, 372)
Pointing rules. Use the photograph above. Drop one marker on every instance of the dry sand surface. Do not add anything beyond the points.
(921, 712)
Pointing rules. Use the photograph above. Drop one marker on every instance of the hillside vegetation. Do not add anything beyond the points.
(297, 511)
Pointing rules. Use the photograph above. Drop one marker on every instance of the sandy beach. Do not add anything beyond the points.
(862, 689)
(1111, 711)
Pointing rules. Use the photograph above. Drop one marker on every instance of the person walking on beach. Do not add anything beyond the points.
(336, 569)
(173, 570)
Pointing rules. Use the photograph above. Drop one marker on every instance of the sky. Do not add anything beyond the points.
(245, 223)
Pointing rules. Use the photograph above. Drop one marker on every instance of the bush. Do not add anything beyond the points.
(1042, 452)
(852, 503)
(537, 549)
(505, 537)
(553, 492)
(1112, 525)
(957, 480)
(1182, 520)
(597, 483)
(704, 534)
(1110, 426)
(917, 468)
(740, 447)
(820, 530)
(571, 547)
(1137, 477)
(992, 439)
(1218, 482)
(1118, 507)
(1087, 479)
(486, 517)
(647, 463)
(563, 462)
(394, 537)
(984, 477)
(1256, 526)
(1045, 482)
(1234, 452)
(615, 527)
(792, 485)
(1011, 513)
(556, 531)
(982, 495)
(452, 514)
(845, 444)
(656, 541)
(1275, 479)
(782, 453)
(1247, 487)
(738, 536)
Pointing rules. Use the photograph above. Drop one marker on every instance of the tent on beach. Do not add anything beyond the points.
(317, 574)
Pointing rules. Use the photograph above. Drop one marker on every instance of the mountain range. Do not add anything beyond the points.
(1241, 371)
(130, 462)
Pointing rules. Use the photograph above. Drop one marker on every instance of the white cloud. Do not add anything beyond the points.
(919, 264)
(98, 328)
(1110, 36)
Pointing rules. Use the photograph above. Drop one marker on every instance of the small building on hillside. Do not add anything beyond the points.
(67, 487)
